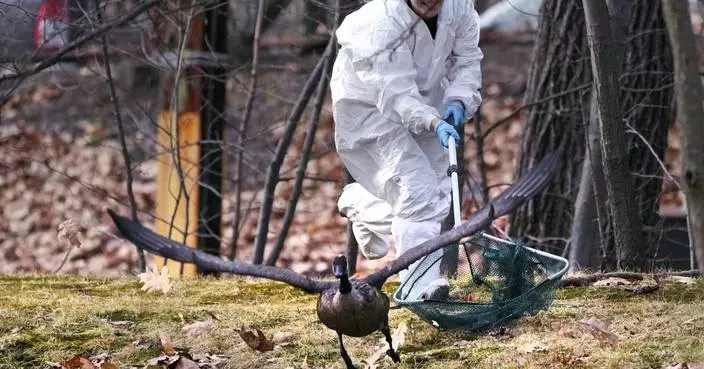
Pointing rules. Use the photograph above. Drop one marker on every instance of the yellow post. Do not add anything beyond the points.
(168, 200)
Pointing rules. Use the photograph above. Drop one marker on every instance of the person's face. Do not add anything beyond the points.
(426, 8)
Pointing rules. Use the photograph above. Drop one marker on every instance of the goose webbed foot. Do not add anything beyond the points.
(390, 352)
(343, 353)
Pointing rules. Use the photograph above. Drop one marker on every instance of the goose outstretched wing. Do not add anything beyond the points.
(152, 242)
(525, 188)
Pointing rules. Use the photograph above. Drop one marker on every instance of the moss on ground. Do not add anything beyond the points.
(47, 318)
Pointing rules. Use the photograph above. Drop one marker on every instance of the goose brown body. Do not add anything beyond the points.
(358, 313)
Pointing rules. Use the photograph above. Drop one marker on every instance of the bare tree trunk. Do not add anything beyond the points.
(605, 63)
(559, 65)
(646, 104)
(587, 250)
(688, 88)
(645, 96)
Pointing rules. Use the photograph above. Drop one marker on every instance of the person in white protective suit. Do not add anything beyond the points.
(406, 75)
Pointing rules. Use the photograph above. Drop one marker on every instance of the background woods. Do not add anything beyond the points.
(209, 122)
(86, 125)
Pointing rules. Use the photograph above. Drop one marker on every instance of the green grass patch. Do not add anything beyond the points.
(45, 318)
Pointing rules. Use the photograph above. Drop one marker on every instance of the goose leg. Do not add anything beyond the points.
(391, 352)
(344, 354)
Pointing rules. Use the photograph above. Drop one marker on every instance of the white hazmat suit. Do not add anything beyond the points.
(390, 80)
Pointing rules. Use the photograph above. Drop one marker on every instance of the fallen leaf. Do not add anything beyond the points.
(209, 360)
(195, 329)
(166, 346)
(611, 282)
(599, 330)
(283, 337)
(155, 281)
(398, 336)
(69, 230)
(77, 362)
(108, 365)
(163, 360)
(256, 339)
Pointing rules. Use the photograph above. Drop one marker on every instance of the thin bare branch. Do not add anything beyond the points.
(121, 128)
(307, 148)
(272, 177)
(243, 127)
(75, 44)
(515, 113)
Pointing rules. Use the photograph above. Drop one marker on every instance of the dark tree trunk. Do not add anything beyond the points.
(585, 250)
(557, 123)
(606, 62)
(691, 116)
(560, 64)
(646, 101)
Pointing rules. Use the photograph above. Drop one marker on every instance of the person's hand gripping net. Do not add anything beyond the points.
(452, 120)
(444, 131)
(454, 114)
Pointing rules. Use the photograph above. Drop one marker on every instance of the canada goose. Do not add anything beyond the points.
(355, 309)
(349, 307)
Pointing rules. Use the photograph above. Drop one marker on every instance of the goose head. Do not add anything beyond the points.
(339, 269)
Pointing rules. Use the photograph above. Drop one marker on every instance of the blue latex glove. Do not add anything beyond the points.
(454, 114)
(444, 130)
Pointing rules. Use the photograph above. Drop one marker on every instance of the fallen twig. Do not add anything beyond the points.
(583, 280)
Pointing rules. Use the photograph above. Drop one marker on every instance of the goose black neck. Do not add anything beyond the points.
(345, 285)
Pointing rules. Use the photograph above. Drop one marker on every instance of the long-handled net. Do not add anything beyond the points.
(496, 281)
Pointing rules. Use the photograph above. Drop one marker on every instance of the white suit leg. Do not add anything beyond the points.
(438, 158)
(388, 160)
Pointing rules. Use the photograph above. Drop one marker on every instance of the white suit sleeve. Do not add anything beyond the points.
(464, 74)
(385, 66)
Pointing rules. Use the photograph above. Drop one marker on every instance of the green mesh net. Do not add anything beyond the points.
(492, 282)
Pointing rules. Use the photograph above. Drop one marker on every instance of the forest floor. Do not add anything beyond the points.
(46, 321)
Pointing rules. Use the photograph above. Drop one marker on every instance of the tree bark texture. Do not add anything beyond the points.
(690, 113)
(646, 96)
(560, 62)
(586, 250)
(622, 205)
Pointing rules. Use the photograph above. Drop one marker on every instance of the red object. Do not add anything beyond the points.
(51, 31)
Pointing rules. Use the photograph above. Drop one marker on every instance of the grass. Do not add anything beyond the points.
(47, 318)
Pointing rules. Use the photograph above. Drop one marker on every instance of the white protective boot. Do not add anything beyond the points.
(430, 285)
